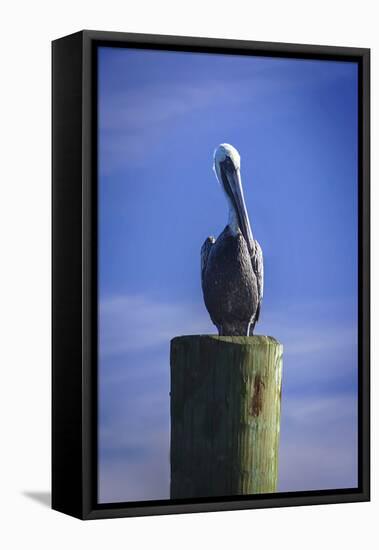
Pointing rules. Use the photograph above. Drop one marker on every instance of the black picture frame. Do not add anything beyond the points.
(74, 274)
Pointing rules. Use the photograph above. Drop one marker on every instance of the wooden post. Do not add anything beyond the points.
(225, 415)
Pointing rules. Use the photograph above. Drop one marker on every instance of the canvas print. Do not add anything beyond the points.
(227, 275)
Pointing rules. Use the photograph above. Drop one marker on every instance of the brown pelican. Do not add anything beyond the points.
(232, 265)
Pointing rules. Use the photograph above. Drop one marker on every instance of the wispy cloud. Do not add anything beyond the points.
(130, 323)
(314, 338)
(134, 124)
(134, 429)
(133, 121)
(139, 110)
(319, 427)
(131, 476)
(320, 344)
(318, 447)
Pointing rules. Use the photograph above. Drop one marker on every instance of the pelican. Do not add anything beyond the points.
(232, 265)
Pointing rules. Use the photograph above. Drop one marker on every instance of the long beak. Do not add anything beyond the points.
(233, 187)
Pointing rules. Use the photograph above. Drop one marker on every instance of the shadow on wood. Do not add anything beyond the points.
(225, 415)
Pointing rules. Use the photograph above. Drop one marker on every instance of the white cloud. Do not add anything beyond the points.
(144, 478)
(306, 340)
(318, 451)
(318, 448)
(305, 410)
(313, 328)
(145, 108)
(133, 124)
(129, 323)
(319, 427)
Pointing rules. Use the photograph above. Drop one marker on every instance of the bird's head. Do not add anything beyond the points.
(226, 156)
(227, 163)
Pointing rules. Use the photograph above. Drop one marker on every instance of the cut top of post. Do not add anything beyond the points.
(256, 340)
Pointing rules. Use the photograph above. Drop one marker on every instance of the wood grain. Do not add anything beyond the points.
(225, 415)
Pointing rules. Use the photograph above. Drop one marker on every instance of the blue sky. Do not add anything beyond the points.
(294, 122)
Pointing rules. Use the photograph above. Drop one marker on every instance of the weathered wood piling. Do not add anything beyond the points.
(225, 415)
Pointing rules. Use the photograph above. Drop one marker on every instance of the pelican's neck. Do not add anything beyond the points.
(233, 223)
(233, 219)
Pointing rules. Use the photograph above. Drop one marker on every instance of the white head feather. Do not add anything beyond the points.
(226, 150)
